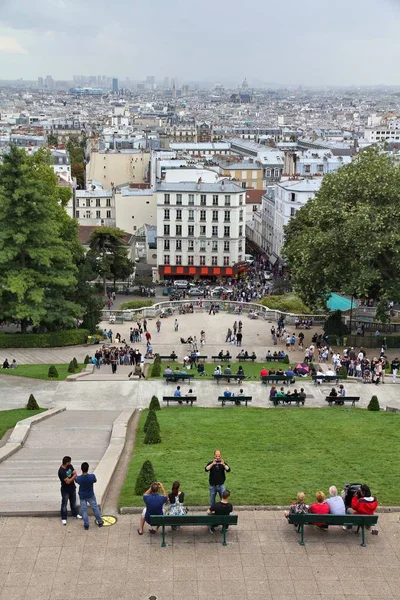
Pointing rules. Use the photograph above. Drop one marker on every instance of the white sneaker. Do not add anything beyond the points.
(63, 521)
(79, 517)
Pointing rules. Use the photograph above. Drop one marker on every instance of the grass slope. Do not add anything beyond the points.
(273, 454)
(252, 370)
(39, 371)
(9, 418)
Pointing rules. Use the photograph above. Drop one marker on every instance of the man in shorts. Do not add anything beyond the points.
(154, 502)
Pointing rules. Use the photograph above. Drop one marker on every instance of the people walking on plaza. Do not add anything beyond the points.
(176, 325)
(158, 325)
(67, 476)
(217, 469)
(86, 482)
(235, 328)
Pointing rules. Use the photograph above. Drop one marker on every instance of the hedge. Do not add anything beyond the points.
(131, 304)
(54, 339)
(286, 304)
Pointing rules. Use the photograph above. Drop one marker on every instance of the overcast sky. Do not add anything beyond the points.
(312, 42)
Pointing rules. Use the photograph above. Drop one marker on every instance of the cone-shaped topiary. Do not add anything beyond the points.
(286, 360)
(342, 373)
(32, 404)
(52, 373)
(87, 359)
(374, 403)
(154, 404)
(145, 478)
(156, 368)
(152, 434)
(71, 368)
(75, 362)
(151, 417)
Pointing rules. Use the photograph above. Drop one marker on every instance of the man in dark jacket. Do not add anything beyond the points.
(217, 469)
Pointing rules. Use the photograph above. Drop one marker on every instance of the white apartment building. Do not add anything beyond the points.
(381, 133)
(200, 229)
(93, 207)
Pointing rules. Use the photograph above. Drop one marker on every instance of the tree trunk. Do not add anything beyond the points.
(24, 325)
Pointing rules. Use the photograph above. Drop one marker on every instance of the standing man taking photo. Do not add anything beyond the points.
(217, 469)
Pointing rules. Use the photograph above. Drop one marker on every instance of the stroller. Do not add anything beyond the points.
(367, 376)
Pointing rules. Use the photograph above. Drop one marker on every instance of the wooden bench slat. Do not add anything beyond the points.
(340, 400)
(287, 400)
(180, 399)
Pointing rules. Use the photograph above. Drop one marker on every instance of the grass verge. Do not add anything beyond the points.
(252, 370)
(273, 454)
(40, 371)
(9, 418)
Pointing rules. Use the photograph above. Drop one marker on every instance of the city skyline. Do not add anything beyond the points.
(294, 44)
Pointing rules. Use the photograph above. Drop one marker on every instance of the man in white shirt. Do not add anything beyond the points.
(336, 504)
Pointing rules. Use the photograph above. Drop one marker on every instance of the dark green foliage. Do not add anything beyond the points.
(32, 404)
(343, 373)
(152, 434)
(151, 418)
(87, 359)
(52, 372)
(156, 368)
(108, 255)
(54, 339)
(75, 363)
(145, 478)
(71, 368)
(334, 325)
(374, 403)
(286, 360)
(154, 404)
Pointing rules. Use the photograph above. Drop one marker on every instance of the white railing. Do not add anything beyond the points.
(225, 306)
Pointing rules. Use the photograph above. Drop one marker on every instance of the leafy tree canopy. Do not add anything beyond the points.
(347, 238)
(108, 254)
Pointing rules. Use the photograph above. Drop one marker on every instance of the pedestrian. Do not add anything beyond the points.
(395, 367)
(67, 476)
(202, 337)
(147, 336)
(217, 470)
(239, 337)
(144, 325)
(86, 495)
(176, 325)
(158, 325)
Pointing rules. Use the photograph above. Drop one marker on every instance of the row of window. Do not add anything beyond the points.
(203, 230)
(202, 245)
(88, 214)
(202, 260)
(88, 202)
(203, 215)
(203, 199)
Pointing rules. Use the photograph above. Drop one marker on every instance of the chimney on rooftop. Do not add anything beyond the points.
(199, 183)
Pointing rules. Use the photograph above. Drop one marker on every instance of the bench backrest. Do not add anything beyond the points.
(275, 377)
(169, 398)
(342, 398)
(193, 520)
(333, 519)
(248, 398)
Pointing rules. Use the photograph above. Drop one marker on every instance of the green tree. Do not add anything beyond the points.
(32, 403)
(152, 434)
(145, 478)
(154, 404)
(151, 417)
(52, 373)
(52, 140)
(108, 254)
(347, 238)
(373, 404)
(38, 242)
(71, 367)
(76, 152)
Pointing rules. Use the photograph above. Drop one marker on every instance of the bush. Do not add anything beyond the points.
(374, 403)
(32, 404)
(334, 325)
(342, 373)
(286, 360)
(53, 339)
(87, 359)
(286, 304)
(152, 434)
(151, 418)
(75, 363)
(156, 368)
(52, 373)
(132, 304)
(145, 478)
(154, 404)
(71, 367)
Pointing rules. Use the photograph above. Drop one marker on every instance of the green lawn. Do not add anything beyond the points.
(8, 418)
(273, 454)
(251, 369)
(40, 371)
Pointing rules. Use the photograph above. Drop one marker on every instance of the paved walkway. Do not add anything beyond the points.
(28, 478)
(41, 560)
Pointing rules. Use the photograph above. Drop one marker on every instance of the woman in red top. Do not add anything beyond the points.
(320, 507)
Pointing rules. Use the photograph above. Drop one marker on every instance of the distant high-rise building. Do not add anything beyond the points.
(49, 82)
(40, 82)
(166, 82)
(245, 85)
(115, 86)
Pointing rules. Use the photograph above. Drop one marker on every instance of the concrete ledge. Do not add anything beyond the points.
(106, 467)
(136, 510)
(88, 370)
(21, 432)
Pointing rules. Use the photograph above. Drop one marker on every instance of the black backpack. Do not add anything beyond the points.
(349, 490)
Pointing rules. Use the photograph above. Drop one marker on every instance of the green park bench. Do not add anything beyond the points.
(361, 521)
(240, 358)
(274, 359)
(171, 357)
(325, 379)
(238, 378)
(340, 400)
(287, 399)
(193, 520)
(277, 378)
(177, 376)
(223, 358)
(180, 399)
(234, 399)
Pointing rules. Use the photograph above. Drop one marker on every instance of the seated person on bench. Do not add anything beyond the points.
(289, 372)
(280, 372)
(253, 356)
(177, 394)
(276, 355)
(273, 392)
(154, 505)
(362, 503)
(173, 355)
(264, 372)
(246, 354)
(217, 370)
(190, 393)
(320, 507)
(333, 393)
(281, 393)
(241, 354)
(200, 369)
(331, 373)
(221, 354)
(227, 355)
(228, 370)
(268, 355)
(302, 394)
(227, 393)
(240, 371)
(168, 371)
(224, 507)
(299, 507)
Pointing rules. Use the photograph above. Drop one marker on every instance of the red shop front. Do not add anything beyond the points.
(168, 271)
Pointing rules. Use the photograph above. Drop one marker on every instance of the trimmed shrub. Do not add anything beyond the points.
(374, 404)
(53, 339)
(156, 368)
(132, 304)
(145, 478)
(87, 359)
(287, 304)
(154, 404)
(71, 368)
(152, 434)
(32, 404)
(334, 326)
(151, 418)
(75, 363)
(52, 372)
(286, 360)
(343, 373)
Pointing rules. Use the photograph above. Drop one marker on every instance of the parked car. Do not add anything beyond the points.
(196, 292)
(181, 284)
(221, 291)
